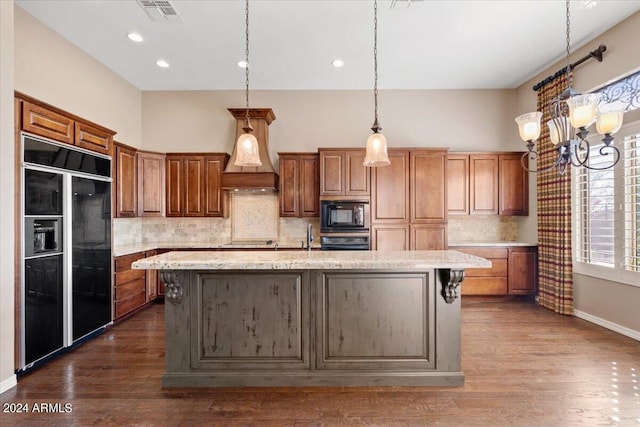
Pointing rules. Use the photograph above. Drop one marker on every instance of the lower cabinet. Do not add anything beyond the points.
(403, 237)
(514, 271)
(132, 288)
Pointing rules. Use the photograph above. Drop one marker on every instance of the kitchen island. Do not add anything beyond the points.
(312, 318)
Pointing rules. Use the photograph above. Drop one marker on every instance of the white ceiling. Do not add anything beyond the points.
(428, 44)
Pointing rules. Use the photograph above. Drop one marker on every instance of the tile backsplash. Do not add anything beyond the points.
(482, 228)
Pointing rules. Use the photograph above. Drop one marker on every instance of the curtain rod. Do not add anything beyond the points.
(597, 54)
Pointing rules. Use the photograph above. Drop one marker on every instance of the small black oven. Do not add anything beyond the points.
(344, 216)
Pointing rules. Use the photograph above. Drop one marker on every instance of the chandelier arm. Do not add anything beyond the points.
(533, 155)
(577, 146)
(616, 154)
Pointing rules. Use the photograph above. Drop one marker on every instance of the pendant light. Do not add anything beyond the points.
(376, 151)
(247, 144)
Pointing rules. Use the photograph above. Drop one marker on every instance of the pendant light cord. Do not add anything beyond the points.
(246, 53)
(375, 60)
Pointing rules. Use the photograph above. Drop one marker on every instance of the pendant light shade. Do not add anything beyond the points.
(376, 149)
(247, 151)
(247, 145)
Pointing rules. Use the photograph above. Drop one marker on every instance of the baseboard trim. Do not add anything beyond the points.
(607, 324)
(8, 384)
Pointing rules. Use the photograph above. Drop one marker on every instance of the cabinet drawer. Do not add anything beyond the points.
(125, 306)
(46, 123)
(498, 269)
(483, 252)
(92, 138)
(130, 289)
(484, 286)
(124, 262)
(129, 275)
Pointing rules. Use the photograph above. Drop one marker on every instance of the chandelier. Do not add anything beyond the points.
(571, 116)
(247, 145)
(376, 151)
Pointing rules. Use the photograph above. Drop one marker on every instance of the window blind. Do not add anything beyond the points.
(631, 204)
(595, 210)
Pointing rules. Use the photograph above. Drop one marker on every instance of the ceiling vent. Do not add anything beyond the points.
(160, 10)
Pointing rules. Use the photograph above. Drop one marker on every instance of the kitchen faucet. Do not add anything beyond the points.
(309, 236)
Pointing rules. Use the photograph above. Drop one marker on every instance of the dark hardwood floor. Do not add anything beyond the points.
(524, 366)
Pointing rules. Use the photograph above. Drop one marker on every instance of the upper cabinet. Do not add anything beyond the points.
(487, 184)
(151, 183)
(299, 184)
(342, 174)
(125, 181)
(193, 184)
(45, 120)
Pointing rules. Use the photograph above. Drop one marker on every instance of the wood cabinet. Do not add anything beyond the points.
(130, 286)
(523, 270)
(487, 184)
(514, 271)
(151, 183)
(299, 184)
(342, 173)
(193, 184)
(483, 184)
(513, 185)
(48, 121)
(408, 201)
(151, 279)
(125, 181)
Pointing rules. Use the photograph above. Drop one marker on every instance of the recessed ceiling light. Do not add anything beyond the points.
(135, 37)
(337, 63)
(162, 63)
(242, 64)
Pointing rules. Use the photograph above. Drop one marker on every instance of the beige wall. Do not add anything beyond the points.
(596, 297)
(55, 71)
(7, 378)
(306, 120)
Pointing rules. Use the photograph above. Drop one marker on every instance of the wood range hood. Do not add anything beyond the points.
(255, 178)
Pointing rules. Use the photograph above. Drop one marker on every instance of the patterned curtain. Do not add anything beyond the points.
(555, 287)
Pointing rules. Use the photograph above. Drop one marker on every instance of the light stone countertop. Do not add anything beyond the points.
(120, 250)
(310, 260)
(491, 244)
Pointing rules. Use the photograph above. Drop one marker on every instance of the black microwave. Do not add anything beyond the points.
(344, 216)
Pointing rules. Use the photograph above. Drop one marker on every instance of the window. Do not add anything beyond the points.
(606, 204)
(607, 212)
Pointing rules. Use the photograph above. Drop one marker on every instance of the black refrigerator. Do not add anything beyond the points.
(66, 246)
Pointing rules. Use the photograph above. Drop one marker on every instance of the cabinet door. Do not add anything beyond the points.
(523, 270)
(428, 185)
(357, 176)
(390, 190)
(458, 184)
(151, 184)
(513, 185)
(174, 175)
(214, 196)
(93, 138)
(43, 122)
(126, 188)
(309, 185)
(193, 190)
(152, 280)
(483, 182)
(289, 171)
(428, 237)
(332, 171)
(390, 237)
